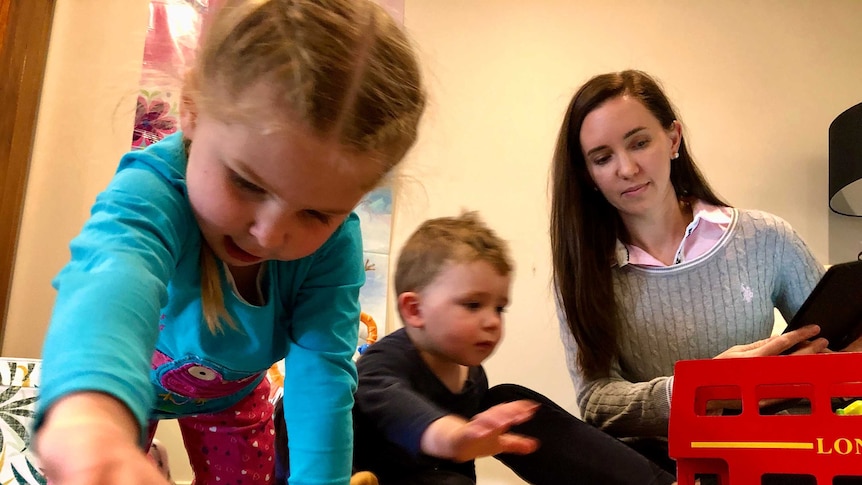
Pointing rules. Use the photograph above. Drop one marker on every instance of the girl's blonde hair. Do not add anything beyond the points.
(341, 68)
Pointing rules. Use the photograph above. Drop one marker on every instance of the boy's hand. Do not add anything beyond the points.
(453, 438)
(91, 439)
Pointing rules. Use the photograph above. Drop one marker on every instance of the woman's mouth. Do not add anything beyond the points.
(237, 253)
(635, 190)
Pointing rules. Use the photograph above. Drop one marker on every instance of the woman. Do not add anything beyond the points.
(651, 266)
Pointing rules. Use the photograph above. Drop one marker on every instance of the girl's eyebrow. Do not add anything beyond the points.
(628, 134)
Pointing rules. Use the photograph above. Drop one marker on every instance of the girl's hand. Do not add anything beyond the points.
(779, 343)
(91, 439)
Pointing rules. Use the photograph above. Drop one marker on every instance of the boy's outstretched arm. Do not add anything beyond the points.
(454, 438)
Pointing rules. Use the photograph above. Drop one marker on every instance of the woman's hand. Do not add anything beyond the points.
(92, 439)
(855, 346)
(777, 344)
(773, 345)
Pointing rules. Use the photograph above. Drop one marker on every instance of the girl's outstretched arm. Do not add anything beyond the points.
(92, 438)
(96, 394)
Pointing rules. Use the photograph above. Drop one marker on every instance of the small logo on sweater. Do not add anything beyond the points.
(747, 294)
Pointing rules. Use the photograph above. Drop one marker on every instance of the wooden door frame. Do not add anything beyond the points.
(25, 27)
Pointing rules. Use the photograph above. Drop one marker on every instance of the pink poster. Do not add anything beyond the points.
(172, 35)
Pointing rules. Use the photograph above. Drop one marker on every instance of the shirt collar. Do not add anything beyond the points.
(714, 214)
(718, 216)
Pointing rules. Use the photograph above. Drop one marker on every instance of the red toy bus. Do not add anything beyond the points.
(809, 444)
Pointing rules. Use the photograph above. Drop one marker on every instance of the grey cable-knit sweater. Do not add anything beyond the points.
(693, 310)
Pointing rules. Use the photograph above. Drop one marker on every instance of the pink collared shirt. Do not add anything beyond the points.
(709, 224)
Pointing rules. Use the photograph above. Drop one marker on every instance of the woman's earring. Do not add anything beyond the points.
(675, 156)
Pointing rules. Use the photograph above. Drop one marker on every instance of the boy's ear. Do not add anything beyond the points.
(409, 308)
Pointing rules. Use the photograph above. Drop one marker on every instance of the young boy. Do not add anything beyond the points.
(418, 386)
(423, 407)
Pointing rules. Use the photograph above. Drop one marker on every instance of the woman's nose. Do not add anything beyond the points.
(627, 167)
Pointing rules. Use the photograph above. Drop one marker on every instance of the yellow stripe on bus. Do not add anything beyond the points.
(777, 445)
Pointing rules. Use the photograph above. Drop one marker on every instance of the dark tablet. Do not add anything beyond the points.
(835, 305)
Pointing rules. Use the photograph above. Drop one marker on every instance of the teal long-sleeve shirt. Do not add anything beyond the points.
(130, 299)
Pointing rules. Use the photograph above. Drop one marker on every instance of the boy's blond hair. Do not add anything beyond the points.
(342, 69)
(437, 242)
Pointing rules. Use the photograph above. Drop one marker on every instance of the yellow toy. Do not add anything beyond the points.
(852, 409)
(363, 478)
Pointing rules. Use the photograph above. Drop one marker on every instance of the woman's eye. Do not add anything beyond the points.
(244, 184)
(318, 216)
(601, 160)
(641, 144)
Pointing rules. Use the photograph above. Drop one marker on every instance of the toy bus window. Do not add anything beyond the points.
(846, 398)
(847, 480)
(787, 479)
(718, 400)
(784, 399)
(707, 479)
(847, 406)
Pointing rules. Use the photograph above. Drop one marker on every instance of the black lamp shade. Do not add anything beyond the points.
(845, 163)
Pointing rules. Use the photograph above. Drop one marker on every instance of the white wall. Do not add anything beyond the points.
(757, 84)
(84, 125)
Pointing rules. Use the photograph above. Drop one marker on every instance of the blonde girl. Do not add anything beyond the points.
(229, 246)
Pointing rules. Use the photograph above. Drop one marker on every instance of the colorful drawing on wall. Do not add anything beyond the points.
(172, 35)
(372, 296)
(375, 214)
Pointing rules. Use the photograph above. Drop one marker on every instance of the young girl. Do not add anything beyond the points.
(229, 246)
(651, 266)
